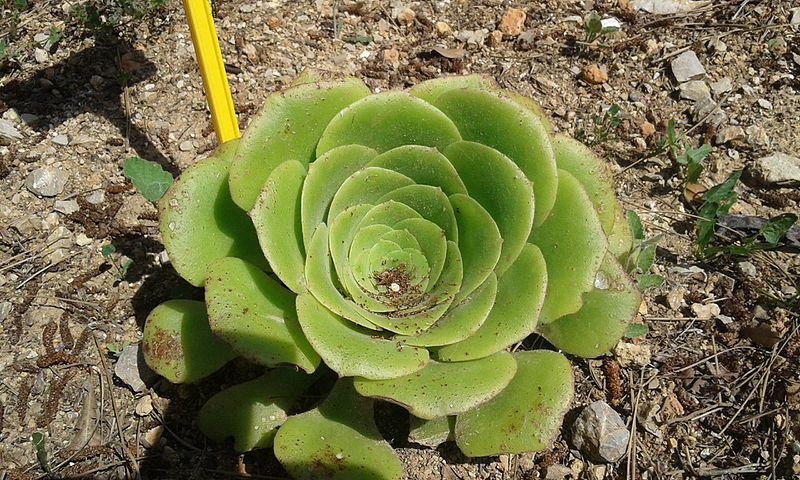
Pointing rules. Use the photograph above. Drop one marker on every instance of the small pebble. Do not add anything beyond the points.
(443, 29)
(61, 140)
(778, 169)
(594, 74)
(764, 103)
(513, 22)
(694, 90)
(705, 311)
(406, 16)
(144, 406)
(748, 269)
(186, 146)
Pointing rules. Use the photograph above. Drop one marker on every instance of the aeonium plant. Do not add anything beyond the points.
(405, 243)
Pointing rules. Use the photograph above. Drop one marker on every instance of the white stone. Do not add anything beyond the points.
(47, 181)
(687, 66)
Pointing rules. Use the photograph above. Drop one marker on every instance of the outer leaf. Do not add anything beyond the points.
(619, 240)
(593, 173)
(520, 293)
(337, 441)
(573, 244)
(252, 411)
(442, 389)
(287, 128)
(603, 318)
(350, 350)
(526, 415)
(431, 433)
(512, 129)
(387, 120)
(256, 315)
(179, 345)
(501, 188)
(430, 90)
(148, 177)
(276, 216)
(200, 223)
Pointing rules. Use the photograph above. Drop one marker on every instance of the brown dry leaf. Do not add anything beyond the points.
(693, 191)
(87, 433)
(450, 52)
(761, 335)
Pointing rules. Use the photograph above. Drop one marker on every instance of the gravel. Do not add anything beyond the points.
(600, 433)
(47, 181)
(687, 66)
(778, 169)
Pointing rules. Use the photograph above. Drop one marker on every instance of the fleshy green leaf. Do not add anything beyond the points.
(593, 173)
(387, 120)
(502, 189)
(276, 216)
(148, 178)
(512, 129)
(251, 412)
(433, 432)
(430, 90)
(321, 284)
(573, 244)
(461, 321)
(619, 240)
(520, 293)
(365, 187)
(526, 416)
(424, 165)
(256, 315)
(178, 343)
(350, 350)
(442, 389)
(480, 242)
(337, 440)
(287, 128)
(602, 320)
(325, 176)
(200, 223)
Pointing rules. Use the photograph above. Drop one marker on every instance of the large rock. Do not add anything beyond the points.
(47, 181)
(687, 66)
(600, 434)
(778, 169)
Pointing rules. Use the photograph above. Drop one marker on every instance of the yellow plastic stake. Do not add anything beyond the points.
(209, 57)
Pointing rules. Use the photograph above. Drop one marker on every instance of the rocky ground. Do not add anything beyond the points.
(712, 389)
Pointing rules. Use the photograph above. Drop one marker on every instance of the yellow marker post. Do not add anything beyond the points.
(209, 57)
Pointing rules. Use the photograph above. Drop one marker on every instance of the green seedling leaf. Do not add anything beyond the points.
(636, 330)
(646, 257)
(107, 250)
(716, 202)
(362, 39)
(635, 224)
(648, 281)
(776, 228)
(148, 177)
(37, 439)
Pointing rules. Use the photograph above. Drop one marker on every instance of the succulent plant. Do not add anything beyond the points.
(405, 243)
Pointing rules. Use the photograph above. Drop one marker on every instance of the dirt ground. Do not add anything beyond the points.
(714, 391)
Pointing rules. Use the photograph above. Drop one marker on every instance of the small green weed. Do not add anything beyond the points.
(642, 254)
(103, 18)
(691, 159)
(593, 27)
(604, 128)
(637, 330)
(37, 439)
(116, 348)
(120, 264)
(148, 177)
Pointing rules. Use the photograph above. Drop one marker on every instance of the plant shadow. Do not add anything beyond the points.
(92, 80)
